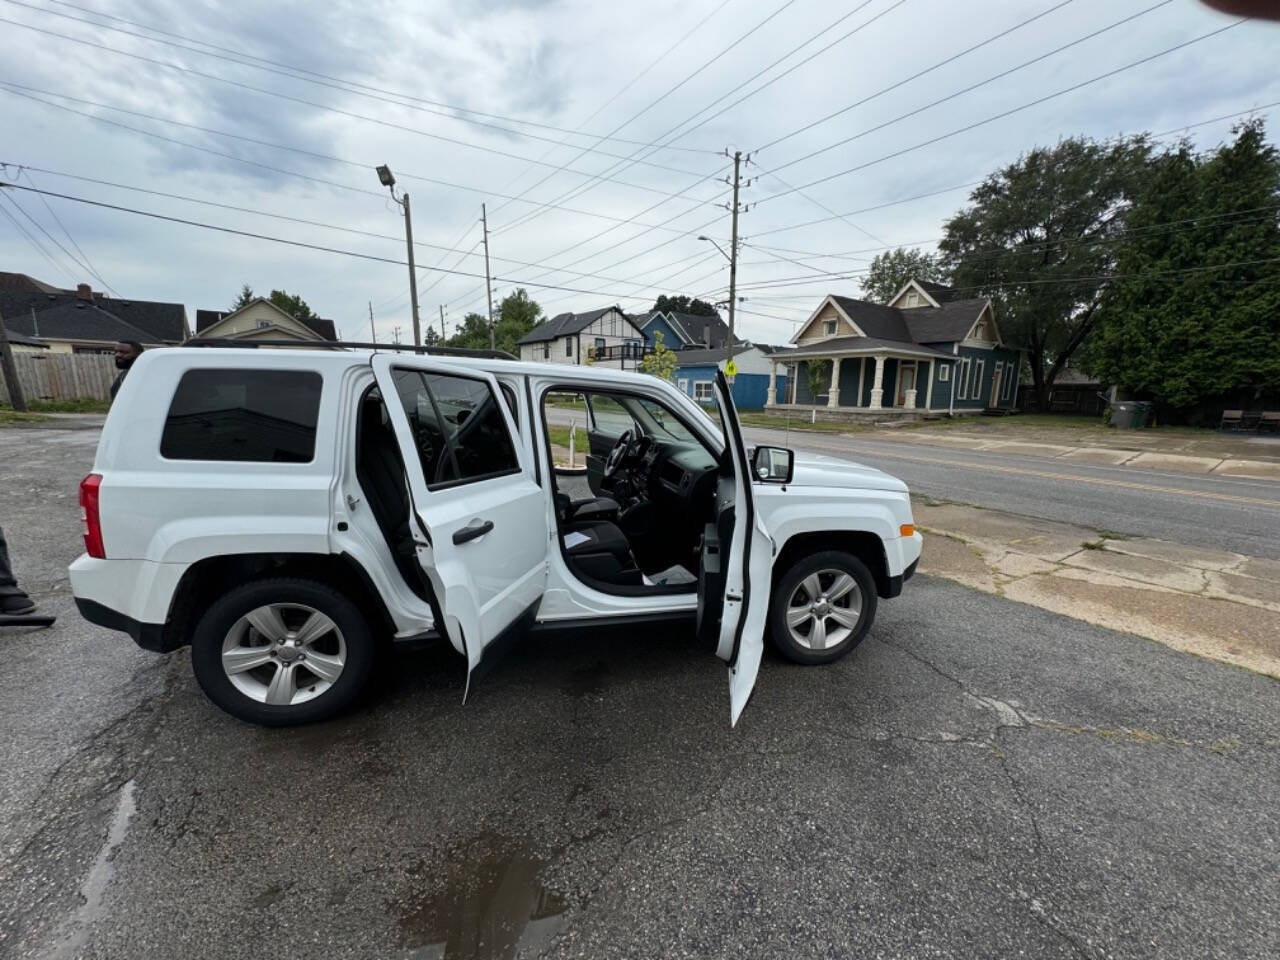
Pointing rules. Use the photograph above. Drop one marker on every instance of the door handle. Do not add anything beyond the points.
(473, 530)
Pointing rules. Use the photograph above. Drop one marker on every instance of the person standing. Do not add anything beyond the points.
(12, 599)
(127, 351)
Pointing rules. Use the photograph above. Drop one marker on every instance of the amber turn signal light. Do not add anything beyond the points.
(907, 529)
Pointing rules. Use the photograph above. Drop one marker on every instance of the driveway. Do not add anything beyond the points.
(980, 778)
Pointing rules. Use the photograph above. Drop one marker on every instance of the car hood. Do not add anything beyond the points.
(817, 470)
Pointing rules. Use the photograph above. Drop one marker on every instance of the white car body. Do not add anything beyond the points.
(159, 518)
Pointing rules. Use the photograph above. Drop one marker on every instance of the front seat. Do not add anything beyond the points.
(588, 510)
(599, 549)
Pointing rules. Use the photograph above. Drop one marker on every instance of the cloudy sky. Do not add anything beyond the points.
(594, 132)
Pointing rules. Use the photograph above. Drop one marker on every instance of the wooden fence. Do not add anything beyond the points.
(62, 376)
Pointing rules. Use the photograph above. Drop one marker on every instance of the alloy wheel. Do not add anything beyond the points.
(284, 654)
(824, 609)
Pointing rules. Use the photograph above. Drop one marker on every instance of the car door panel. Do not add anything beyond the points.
(481, 541)
(746, 563)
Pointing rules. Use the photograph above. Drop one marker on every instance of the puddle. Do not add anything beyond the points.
(489, 905)
(95, 884)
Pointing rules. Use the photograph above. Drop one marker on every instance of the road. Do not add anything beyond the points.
(1225, 513)
(980, 778)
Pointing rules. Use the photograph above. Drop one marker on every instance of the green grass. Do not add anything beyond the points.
(797, 422)
(560, 436)
(10, 417)
(82, 405)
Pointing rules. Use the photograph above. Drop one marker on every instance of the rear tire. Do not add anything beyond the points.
(281, 652)
(822, 607)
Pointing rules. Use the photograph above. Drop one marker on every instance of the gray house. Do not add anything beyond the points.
(926, 350)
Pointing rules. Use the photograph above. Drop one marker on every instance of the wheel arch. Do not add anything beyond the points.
(863, 544)
(206, 580)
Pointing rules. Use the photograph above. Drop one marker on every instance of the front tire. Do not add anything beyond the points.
(822, 607)
(281, 652)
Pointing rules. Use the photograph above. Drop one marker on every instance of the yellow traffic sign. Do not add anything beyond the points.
(730, 369)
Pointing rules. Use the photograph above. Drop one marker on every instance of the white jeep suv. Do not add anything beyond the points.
(285, 511)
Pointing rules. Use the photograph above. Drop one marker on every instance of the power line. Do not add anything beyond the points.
(51, 238)
(917, 75)
(1011, 111)
(336, 110)
(16, 88)
(298, 243)
(84, 256)
(303, 74)
(57, 265)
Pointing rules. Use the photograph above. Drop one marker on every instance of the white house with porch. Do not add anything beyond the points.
(927, 350)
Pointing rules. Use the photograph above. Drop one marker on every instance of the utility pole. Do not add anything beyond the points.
(488, 285)
(733, 256)
(442, 319)
(388, 180)
(16, 399)
(396, 333)
(413, 274)
(373, 334)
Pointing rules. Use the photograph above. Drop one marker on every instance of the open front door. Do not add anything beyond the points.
(479, 518)
(745, 565)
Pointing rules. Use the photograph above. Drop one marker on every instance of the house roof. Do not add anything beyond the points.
(322, 328)
(76, 319)
(863, 345)
(21, 283)
(939, 291)
(566, 323)
(700, 328)
(150, 321)
(874, 319)
(26, 341)
(944, 324)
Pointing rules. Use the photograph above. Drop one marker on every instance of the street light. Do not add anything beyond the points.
(717, 246)
(388, 180)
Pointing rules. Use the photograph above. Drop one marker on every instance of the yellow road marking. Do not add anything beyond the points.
(1024, 471)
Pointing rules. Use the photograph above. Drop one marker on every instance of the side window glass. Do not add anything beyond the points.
(457, 427)
(509, 398)
(609, 416)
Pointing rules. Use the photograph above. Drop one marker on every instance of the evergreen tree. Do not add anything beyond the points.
(1185, 337)
(247, 296)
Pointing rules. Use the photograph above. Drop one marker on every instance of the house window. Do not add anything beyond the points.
(702, 391)
(913, 300)
(980, 330)
(683, 384)
(975, 390)
(263, 324)
(962, 378)
(944, 372)
(546, 350)
(1009, 374)
(568, 346)
(829, 328)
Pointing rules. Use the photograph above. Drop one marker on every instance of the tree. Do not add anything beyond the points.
(890, 271)
(819, 376)
(247, 296)
(662, 361)
(1185, 337)
(291, 304)
(473, 334)
(1038, 239)
(517, 315)
(683, 304)
(431, 337)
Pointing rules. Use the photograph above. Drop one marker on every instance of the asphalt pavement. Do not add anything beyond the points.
(1225, 513)
(980, 778)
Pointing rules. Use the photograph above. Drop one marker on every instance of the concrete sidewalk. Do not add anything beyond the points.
(1224, 606)
(1231, 466)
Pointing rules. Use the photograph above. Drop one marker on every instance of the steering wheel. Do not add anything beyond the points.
(618, 453)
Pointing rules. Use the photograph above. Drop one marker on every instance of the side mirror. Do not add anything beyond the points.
(773, 464)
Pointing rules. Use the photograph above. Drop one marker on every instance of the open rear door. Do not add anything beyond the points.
(746, 568)
(479, 518)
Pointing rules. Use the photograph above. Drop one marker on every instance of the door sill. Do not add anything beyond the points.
(616, 620)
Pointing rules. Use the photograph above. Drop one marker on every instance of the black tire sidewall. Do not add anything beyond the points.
(786, 585)
(206, 650)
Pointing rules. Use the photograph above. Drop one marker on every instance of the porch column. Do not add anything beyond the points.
(833, 394)
(877, 384)
(771, 399)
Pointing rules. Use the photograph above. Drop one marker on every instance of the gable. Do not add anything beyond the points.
(258, 315)
(913, 296)
(815, 328)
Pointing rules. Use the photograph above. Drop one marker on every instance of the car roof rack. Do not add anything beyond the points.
(349, 345)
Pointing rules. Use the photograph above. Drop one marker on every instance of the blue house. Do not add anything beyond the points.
(683, 331)
(927, 349)
(696, 370)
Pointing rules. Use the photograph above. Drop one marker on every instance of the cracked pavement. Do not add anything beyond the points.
(980, 778)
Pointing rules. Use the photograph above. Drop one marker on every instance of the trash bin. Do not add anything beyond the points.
(1124, 415)
(1144, 413)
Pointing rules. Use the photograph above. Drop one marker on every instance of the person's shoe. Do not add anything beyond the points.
(16, 603)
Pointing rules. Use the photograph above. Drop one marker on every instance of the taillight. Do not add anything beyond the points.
(89, 514)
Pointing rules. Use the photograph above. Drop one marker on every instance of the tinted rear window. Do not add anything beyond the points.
(253, 415)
